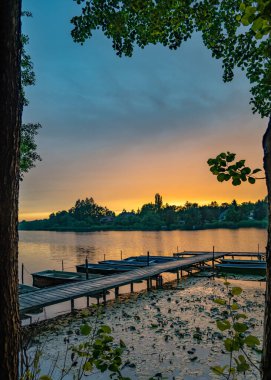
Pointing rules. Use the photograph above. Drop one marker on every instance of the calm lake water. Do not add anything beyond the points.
(41, 250)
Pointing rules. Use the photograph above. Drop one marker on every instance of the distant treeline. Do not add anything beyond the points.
(86, 215)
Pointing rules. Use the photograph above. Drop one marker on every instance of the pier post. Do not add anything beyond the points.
(213, 262)
(178, 277)
(159, 281)
(121, 255)
(148, 254)
(62, 265)
(86, 268)
(104, 297)
(87, 301)
(116, 292)
(98, 300)
(148, 284)
(72, 304)
(22, 273)
(132, 287)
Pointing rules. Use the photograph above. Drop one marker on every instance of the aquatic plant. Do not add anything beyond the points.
(98, 353)
(238, 342)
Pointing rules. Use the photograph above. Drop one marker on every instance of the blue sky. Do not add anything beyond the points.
(122, 129)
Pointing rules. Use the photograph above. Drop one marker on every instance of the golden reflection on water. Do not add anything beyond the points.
(41, 250)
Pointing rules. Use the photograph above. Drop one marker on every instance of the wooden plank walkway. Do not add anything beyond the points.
(62, 293)
(237, 254)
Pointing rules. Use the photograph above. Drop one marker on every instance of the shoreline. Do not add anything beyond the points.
(105, 228)
(170, 331)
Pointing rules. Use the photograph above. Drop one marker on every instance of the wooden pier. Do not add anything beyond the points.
(99, 286)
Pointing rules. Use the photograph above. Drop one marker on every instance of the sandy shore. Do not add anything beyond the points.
(170, 333)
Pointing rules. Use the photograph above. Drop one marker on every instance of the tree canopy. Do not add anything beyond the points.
(28, 146)
(236, 31)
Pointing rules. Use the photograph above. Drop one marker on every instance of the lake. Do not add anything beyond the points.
(41, 250)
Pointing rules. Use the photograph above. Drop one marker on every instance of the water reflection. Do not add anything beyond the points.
(40, 250)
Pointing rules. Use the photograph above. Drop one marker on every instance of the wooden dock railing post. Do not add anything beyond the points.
(86, 268)
(104, 297)
(178, 277)
(72, 304)
(132, 287)
(62, 265)
(148, 255)
(213, 262)
(22, 273)
(121, 255)
(116, 292)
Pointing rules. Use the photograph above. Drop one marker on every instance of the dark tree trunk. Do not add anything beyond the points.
(10, 121)
(266, 359)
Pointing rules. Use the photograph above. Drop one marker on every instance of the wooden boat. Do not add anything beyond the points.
(105, 269)
(131, 263)
(245, 262)
(256, 269)
(54, 277)
(153, 259)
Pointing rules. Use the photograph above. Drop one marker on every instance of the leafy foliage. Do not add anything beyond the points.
(237, 340)
(225, 168)
(99, 352)
(87, 215)
(28, 146)
(236, 31)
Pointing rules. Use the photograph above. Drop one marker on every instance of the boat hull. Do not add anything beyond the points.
(52, 278)
(242, 269)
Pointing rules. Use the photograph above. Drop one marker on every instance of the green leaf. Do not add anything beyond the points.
(230, 157)
(227, 177)
(221, 177)
(236, 291)
(87, 366)
(242, 7)
(256, 171)
(85, 329)
(220, 301)
(236, 182)
(257, 24)
(231, 345)
(246, 170)
(242, 367)
(105, 329)
(223, 325)
(240, 327)
(239, 316)
(251, 180)
(252, 341)
(45, 377)
(211, 161)
(234, 306)
(217, 370)
(122, 344)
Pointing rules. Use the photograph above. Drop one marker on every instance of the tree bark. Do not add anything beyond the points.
(10, 121)
(266, 358)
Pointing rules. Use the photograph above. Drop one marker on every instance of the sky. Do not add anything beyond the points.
(122, 129)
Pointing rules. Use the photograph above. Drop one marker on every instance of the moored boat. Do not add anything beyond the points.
(105, 269)
(256, 269)
(243, 262)
(53, 277)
